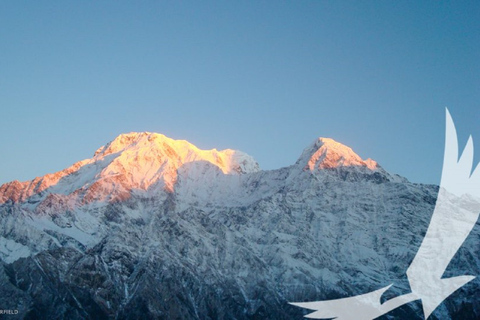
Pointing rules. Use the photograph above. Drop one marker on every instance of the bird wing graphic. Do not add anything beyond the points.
(361, 307)
(455, 214)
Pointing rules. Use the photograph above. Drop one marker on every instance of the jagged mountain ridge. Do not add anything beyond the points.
(131, 161)
(153, 227)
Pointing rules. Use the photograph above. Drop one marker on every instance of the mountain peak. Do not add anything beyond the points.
(148, 146)
(144, 158)
(326, 153)
(152, 161)
(132, 161)
(125, 140)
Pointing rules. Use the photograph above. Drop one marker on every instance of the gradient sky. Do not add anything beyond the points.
(263, 77)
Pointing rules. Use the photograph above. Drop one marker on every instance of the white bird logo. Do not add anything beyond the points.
(456, 213)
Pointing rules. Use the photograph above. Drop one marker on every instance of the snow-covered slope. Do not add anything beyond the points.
(152, 227)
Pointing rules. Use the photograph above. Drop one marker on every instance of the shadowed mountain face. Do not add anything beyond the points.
(156, 228)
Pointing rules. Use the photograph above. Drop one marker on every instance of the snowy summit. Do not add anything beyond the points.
(145, 160)
(131, 161)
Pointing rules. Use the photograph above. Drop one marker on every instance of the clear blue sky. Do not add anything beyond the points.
(264, 77)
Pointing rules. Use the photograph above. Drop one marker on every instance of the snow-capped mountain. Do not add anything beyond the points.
(131, 161)
(152, 227)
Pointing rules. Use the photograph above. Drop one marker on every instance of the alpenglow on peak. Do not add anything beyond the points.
(178, 152)
(132, 161)
(326, 153)
(151, 162)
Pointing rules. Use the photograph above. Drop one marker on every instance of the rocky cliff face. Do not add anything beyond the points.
(155, 228)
